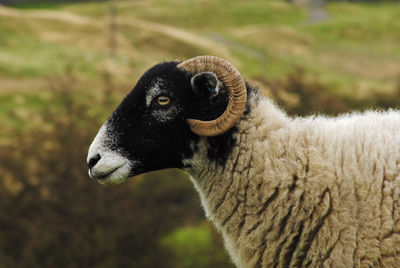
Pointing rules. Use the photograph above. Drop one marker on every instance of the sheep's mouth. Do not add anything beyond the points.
(112, 176)
(105, 175)
(117, 174)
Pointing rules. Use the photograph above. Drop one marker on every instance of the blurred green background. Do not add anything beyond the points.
(65, 66)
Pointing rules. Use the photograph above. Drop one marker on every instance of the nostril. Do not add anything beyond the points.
(93, 161)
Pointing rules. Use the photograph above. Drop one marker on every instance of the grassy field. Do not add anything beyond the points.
(355, 49)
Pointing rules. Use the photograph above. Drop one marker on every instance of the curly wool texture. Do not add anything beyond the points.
(315, 191)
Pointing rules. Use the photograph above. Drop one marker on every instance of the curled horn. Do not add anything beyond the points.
(235, 85)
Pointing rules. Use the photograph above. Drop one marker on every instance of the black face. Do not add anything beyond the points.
(149, 126)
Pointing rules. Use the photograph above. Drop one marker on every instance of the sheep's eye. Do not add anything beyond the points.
(163, 100)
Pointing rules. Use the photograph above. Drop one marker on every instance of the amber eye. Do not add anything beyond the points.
(163, 100)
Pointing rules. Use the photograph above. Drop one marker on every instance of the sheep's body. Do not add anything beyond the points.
(318, 192)
(284, 192)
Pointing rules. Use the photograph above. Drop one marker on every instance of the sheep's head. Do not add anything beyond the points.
(159, 122)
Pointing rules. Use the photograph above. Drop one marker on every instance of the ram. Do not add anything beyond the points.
(284, 192)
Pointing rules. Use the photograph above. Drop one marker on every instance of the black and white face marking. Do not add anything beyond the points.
(148, 130)
(158, 100)
(108, 166)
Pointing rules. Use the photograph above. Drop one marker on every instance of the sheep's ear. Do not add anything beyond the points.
(205, 84)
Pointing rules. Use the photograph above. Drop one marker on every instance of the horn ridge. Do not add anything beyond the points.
(235, 85)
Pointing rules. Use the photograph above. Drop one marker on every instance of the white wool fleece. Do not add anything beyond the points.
(314, 191)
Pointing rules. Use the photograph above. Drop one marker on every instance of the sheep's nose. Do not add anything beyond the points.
(93, 161)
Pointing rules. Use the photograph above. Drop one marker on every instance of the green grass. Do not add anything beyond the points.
(216, 15)
(202, 16)
(194, 246)
(23, 53)
(356, 48)
(32, 47)
(358, 45)
(37, 59)
(39, 5)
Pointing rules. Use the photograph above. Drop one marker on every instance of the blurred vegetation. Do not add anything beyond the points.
(58, 83)
(302, 94)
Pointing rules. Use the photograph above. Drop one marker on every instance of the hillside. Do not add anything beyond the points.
(355, 47)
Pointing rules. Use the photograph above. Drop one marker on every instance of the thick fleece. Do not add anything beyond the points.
(297, 192)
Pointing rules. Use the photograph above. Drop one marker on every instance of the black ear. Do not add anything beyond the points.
(212, 96)
(205, 84)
